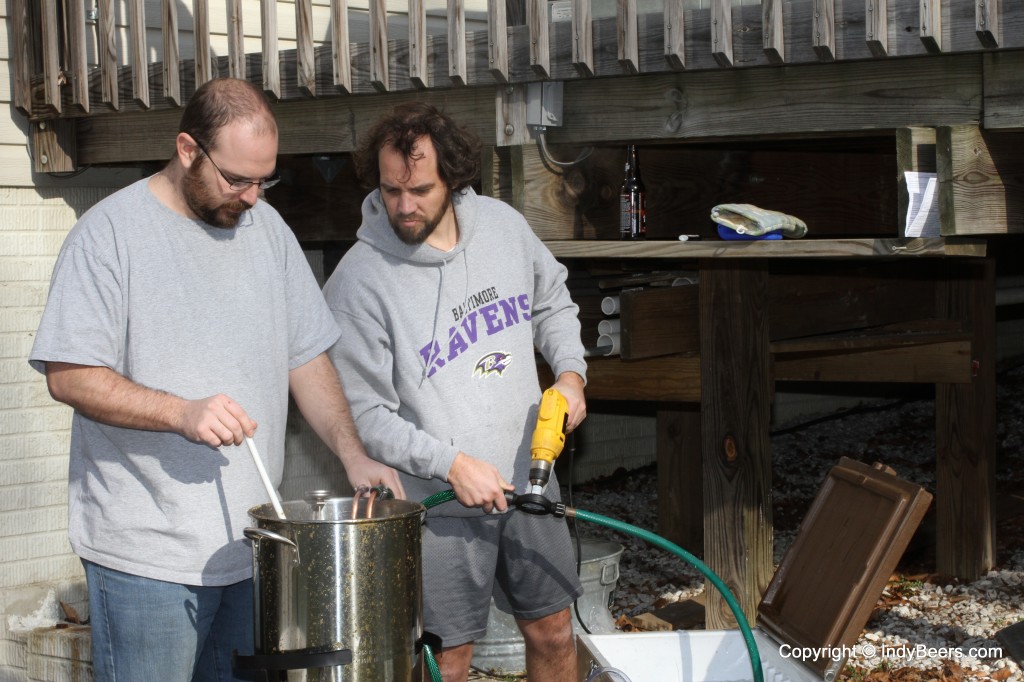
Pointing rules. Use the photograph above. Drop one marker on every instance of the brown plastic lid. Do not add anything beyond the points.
(833, 574)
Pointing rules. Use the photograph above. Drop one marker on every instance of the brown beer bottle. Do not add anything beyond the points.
(632, 200)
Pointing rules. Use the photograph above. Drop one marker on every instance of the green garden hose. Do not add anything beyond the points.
(428, 657)
(657, 541)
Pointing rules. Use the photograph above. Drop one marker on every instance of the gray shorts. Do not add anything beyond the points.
(526, 562)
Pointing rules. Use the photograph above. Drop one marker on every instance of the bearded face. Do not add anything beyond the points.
(416, 226)
(206, 203)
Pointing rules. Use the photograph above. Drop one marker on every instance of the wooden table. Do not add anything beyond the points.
(893, 310)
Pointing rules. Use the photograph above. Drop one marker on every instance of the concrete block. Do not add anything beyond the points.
(42, 669)
(12, 674)
(73, 643)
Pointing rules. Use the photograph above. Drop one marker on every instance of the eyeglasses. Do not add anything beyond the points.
(239, 184)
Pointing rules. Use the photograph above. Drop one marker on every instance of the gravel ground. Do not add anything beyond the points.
(926, 626)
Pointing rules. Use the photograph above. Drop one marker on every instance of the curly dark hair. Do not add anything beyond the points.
(458, 148)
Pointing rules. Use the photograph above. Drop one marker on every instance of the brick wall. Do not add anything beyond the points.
(37, 568)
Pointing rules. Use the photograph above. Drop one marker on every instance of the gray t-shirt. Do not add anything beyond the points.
(177, 305)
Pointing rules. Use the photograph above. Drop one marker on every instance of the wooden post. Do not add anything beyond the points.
(457, 42)
(915, 153)
(582, 38)
(79, 64)
(537, 23)
(824, 39)
(931, 25)
(876, 27)
(981, 190)
(628, 42)
(497, 40)
(107, 50)
(201, 37)
(680, 487)
(51, 55)
(341, 58)
(986, 22)
(305, 62)
(966, 427)
(379, 45)
(773, 30)
(675, 34)
(21, 55)
(271, 59)
(172, 55)
(721, 31)
(236, 40)
(53, 146)
(735, 415)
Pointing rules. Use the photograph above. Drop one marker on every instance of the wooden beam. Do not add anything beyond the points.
(627, 39)
(824, 28)
(510, 110)
(418, 68)
(107, 52)
(379, 45)
(78, 62)
(946, 362)
(931, 25)
(172, 55)
(51, 56)
(986, 23)
(735, 417)
(672, 378)
(915, 153)
(236, 40)
(201, 37)
(680, 486)
(271, 58)
(582, 38)
(843, 96)
(341, 58)
(497, 43)
(305, 60)
(659, 321)
(876, 26)
(773, 29)
(537, 24)
(721, 32)
(1004, 92)
(981, 181)
(53, 146)
(675, 34)
(965, 418)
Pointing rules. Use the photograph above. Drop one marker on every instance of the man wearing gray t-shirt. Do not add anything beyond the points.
(181, 313)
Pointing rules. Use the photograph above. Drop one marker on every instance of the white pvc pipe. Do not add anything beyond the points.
(274, 499)
(610, 305)
(609, 344)
(610, 326)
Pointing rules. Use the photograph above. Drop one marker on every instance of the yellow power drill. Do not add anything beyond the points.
(548, 438)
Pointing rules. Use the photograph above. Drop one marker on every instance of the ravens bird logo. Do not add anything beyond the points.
(492, 363)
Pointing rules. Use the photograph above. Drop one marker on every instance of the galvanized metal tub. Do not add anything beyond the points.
(326, 581)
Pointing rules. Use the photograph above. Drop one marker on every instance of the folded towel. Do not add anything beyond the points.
(748, 219)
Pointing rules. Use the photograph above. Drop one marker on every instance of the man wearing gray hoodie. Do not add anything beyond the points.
(443, 303)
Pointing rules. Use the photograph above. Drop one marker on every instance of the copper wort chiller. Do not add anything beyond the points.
(337, 589)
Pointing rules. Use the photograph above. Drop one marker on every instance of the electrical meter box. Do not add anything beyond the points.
(821, 595)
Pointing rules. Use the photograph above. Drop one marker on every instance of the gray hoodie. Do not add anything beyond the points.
(437, 350)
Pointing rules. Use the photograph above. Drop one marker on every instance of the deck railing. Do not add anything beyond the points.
(524, 40)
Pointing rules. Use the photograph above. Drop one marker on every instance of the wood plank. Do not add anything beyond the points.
(981, 181)
(79, 63)
(379, 45)
(340, 54)
(271, 59)
(457, 42)
(735, 417)
(319, 126)
(721, 32)
(418, 68)
(680, 486)
(107, 52)
(966, 430)
(987, 23)
(773, 27)
(627, 42)
(931, 25)
(672, 378)
(659, 321)
(170, 64)
(510, 110)
(915, 153)
(537, 24)
(497, 30)
(548, 200)
(236, 40)
(675, 34)
(582, 38)
(810, 248)
(21, 55)
(877, 27)
(824, 30)
(50, 39)
(305, 62)
(201, 34)
(946, 362)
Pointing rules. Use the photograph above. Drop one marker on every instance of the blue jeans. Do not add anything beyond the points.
(144, 629)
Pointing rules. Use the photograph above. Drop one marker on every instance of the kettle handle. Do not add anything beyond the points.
(257, 534)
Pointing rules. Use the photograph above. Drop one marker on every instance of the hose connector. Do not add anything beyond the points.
(535, 504)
